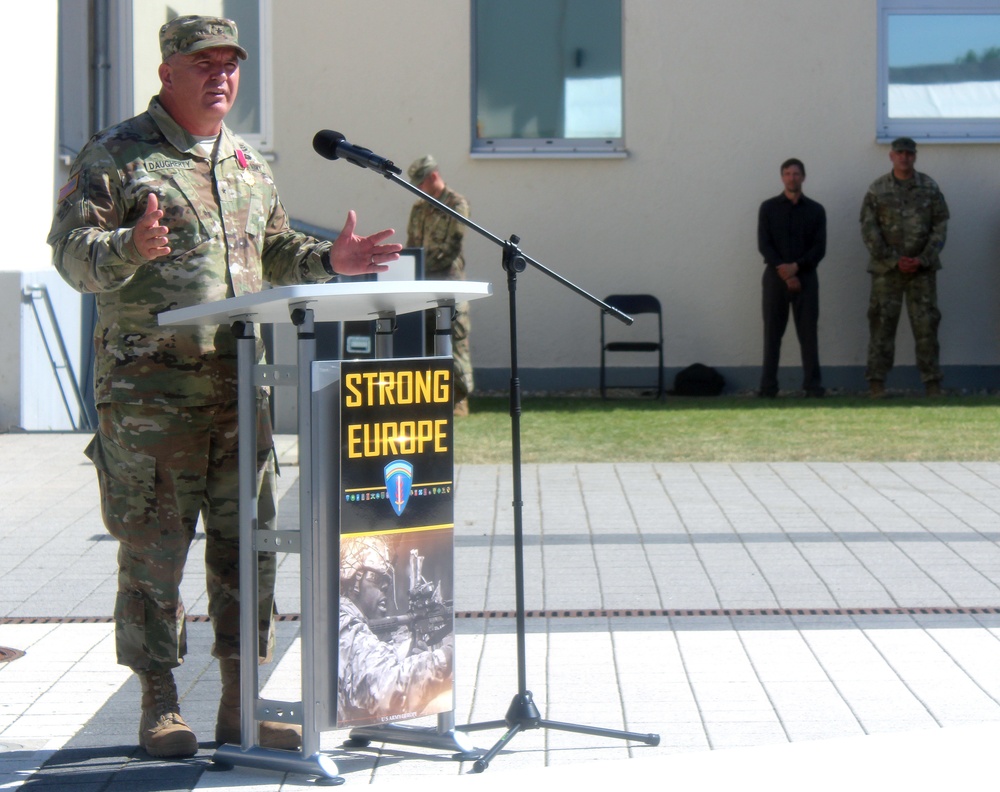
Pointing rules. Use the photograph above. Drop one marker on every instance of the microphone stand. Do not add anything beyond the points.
(522, 714)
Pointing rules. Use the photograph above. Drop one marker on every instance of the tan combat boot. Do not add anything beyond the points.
(286, 736)
(162, 731)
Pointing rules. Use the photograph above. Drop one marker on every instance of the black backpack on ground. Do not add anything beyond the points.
(698, 380)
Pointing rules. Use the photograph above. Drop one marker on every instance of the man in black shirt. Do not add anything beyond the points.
(791, 236)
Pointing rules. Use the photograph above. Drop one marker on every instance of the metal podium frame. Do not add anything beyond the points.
(303, 306)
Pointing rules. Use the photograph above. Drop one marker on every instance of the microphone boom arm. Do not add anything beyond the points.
(511, 250)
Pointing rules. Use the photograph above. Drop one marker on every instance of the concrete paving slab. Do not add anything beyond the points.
(812, 624)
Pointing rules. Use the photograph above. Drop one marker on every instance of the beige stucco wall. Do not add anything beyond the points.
(717, 94)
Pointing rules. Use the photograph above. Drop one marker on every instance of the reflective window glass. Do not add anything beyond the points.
(548, 76)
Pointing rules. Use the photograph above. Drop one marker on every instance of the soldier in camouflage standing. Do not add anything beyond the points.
(165, 210)
(904, 222)
(441, 238)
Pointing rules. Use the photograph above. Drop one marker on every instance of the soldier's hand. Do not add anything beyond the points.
(446, 653)
(908, 265)
(354, 255)
(794, 285)
(148, 236)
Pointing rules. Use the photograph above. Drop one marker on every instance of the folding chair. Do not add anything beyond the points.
(638, 338)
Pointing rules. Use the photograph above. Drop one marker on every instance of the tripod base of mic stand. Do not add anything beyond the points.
(523, 715)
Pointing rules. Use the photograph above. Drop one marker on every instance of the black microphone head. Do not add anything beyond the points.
(325, 143)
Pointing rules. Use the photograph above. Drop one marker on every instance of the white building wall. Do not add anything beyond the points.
(29, 394)
(717, 94)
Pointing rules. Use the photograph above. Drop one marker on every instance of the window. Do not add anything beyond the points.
(251, 114)
(547, 78)
(939, 69)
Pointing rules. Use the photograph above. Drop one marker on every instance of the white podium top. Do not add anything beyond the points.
(330, 302)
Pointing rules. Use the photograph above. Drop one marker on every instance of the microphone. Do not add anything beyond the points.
(332, 145)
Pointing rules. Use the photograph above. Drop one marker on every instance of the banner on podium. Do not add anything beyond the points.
(396, 639)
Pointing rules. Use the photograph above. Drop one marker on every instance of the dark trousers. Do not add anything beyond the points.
(804, 305)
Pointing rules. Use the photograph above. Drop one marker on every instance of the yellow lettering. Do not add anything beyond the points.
(387, 388)
(422, 389)
(352, 442)
(370, 380)
(390, 432)
(442, 393)
(395, 439)
(354, 395)
(404, 387)
(392, 388)
(406, 444)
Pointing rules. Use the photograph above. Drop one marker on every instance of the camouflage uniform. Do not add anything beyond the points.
(903, 218)
(441, 238)
(166, 449)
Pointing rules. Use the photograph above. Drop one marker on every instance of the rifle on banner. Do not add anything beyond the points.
(429, 617)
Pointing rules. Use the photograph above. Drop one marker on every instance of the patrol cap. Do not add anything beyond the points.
(187, 34)
(421, 169)
(904, 144)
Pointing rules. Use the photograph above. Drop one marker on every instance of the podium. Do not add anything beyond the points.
(303, 306)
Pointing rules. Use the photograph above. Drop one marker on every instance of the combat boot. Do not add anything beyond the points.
(162, 731)
(286, 736)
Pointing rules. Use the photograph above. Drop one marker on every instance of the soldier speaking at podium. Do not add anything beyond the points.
(166, 210)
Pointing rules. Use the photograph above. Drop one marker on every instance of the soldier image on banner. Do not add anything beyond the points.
(396, 633)
(396, 646)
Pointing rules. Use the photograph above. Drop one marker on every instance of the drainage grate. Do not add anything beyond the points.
(7, 655)
(680, 612)
(588, 613)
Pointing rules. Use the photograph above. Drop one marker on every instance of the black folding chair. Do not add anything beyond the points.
(637, 338)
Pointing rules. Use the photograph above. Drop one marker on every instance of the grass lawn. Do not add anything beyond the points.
(733, 429)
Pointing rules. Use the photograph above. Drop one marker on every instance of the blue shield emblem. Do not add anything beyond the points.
(398, 482)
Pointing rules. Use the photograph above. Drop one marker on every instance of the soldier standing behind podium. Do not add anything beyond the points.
(441, 237)
(165, 210)
(791, 236)
(904, 223)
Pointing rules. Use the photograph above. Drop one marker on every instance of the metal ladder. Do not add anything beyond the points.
(61, 367)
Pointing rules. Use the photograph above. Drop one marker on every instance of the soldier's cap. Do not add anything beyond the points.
(904, 144)
(421, 169)
(187, 34)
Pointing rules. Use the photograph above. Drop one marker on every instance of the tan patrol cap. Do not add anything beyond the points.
(421, 169)
(191, 33)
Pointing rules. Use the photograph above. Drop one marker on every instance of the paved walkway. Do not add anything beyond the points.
(807, 625)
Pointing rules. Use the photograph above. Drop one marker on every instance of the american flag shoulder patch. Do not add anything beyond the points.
(69, 188)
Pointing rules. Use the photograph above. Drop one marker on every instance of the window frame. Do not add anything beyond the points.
(260, 51)
(930, 130)
(530, 148)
